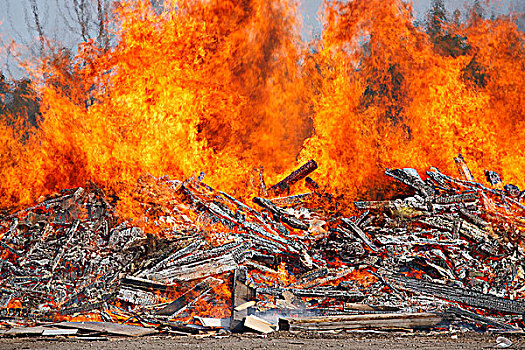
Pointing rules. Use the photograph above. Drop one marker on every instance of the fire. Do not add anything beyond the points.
(396, 101)
(183, 91)
(226, 86)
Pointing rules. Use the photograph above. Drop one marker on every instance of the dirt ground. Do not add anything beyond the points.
(356, 341)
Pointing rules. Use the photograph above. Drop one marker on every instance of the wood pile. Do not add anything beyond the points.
(446, 254)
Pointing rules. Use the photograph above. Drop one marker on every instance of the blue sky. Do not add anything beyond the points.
(16, 24)
(14, 13)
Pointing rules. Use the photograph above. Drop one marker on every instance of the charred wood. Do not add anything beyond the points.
(460, 295)
(411, 178)
(492, 177)
(481, 319)
(311, 184)
(362, 235)
(293, 200)
(280, 214)
(285, 184)
(463, 169)
(314, 293)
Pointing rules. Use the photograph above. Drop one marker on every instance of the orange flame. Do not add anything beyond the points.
(224, 86)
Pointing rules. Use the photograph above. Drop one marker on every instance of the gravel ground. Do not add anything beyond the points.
(278, 341)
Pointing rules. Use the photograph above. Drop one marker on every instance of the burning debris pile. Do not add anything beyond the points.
(448, 253)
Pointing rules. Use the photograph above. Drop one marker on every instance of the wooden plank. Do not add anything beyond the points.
(258, 324)
(109, 327)
(241, 295)
(368, 321)
(214, 322)
(24, 331)
(245, 305)
(60, 332)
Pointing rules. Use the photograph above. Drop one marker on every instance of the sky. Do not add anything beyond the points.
(310, 8)
(14, 19)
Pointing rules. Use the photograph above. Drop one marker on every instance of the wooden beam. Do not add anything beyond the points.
(366, 321)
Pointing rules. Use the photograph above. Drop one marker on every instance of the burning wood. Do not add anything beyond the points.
(453, 247)
(297, 175)
(463, 168)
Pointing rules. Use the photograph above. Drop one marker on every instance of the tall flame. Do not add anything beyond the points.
(225, 86)
(390, 99)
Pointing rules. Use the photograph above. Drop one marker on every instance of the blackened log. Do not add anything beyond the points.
(481, 319)
(311, 184)
(261, 268)
(48, 204)
(451, 224)
(456, 198)
(199, 256)
(144, 284)
(311, 275)
(292, 200)
(284, 185)
(190, 248)
(374, 205)
(280, 214)
(492, 177)
(266, 239)
(11, 249)
(71, 232)
(332, 275)
(88, 306)
(471, 217)
(209, 267)
(314, 293)
(262, 185)
(457, 294)
(240, 204)
(360, 233)
(268, 259)
(201, 177)
(410, 178)
(362, 219)
(512, 190)
(264, 244)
